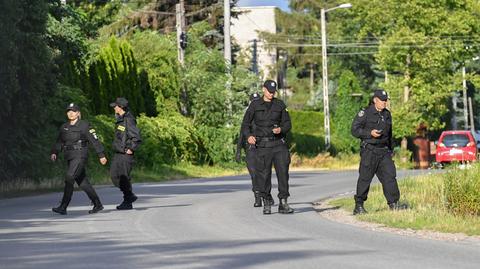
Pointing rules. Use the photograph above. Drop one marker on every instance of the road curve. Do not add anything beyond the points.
(210, 223)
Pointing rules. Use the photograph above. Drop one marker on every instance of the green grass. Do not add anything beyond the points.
(326, 161)
(100, 176)
(428, 207)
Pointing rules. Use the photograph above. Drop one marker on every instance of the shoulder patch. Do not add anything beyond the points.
(361, 113)
(92, 131)
(286, 109)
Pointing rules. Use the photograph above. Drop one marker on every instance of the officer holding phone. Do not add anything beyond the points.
(272, 123)
(373, 125)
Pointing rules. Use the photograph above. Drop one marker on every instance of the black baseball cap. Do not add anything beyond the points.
(381, 94)
(270, 85)
(73, 107)
(254, 96)
(121, 102)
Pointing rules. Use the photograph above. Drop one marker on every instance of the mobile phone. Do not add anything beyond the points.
(379, 131)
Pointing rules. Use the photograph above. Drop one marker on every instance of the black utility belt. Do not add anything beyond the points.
(376, 146)
(268, 138)
(270, 144)
(78, 146)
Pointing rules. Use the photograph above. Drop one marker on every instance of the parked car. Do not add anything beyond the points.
(476, 135)
(456, 146)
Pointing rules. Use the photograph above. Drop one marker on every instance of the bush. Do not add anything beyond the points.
(220, 143)
(307, 128)
(462, 190)
(168, 141)
(307, 122)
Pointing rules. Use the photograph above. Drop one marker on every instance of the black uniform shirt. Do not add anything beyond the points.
(127, 135)
(264, 116)
(368, 119)
(73, 140)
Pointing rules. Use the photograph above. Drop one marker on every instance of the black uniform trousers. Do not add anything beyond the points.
(377, 161)
(251, 159)
(120, 173)
(279, 156)
(76, 173)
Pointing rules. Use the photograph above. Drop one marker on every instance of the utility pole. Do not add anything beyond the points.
(472, 125)
(227, 50)
(181, 36)
(454, 109)
(226, 32)
(180, 23)
(465, 104)
(326, 110)
(254, 57)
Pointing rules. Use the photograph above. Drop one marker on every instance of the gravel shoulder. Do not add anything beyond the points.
(336, 214)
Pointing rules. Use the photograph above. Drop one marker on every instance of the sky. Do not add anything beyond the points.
(282, 4)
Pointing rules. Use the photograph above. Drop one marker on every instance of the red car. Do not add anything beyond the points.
(456, 146)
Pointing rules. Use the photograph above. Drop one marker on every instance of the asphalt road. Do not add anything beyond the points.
(209, 223)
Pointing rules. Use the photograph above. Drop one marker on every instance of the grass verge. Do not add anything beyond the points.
(100, 176)
(429, 207)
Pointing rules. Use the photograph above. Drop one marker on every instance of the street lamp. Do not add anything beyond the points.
(326, 110)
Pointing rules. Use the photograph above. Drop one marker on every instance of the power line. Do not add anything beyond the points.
(353, 45)
(374, 38)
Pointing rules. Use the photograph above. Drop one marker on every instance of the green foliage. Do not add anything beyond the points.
(307, 132)
(346, 107)
(219, 143)
(157, 56)
(422, 44)
(27, 82)
(307, 122)
(97, 13)
(462, 190)
(114, 73)
(205, 79)
(168, 140)
(67, 39)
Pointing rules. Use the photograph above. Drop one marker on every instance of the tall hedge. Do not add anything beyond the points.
(114, 73)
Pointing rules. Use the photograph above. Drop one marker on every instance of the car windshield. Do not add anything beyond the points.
(455, 140)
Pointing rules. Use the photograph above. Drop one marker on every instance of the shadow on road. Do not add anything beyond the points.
(80, 251)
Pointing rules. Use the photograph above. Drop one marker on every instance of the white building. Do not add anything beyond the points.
(245, 29)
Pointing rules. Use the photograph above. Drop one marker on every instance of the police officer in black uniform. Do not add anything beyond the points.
(125, 143)
(250, 151)
(73, 140)
(272, 122)
(373, 125)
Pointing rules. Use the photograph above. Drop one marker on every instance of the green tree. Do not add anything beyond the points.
(423, 45)
(27, 84)
(114, 73)
(157, 56)
(349, 99)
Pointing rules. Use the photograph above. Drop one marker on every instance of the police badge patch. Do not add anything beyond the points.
(361, 113)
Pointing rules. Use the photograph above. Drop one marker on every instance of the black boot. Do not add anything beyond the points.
(258, 199)
(270, 199)
(267, 208)
(397, 206)
(125, 206)
(97, 207)
(131, 198)
(61, 209)
(284, 208)
(359, 209)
